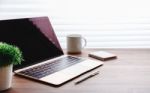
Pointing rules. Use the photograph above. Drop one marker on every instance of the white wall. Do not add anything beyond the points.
(105, 23)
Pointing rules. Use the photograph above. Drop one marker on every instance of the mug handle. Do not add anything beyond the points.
(85, 42)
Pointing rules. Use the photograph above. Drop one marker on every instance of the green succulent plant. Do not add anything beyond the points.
(9, 54)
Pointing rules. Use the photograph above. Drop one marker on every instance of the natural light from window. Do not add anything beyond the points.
(104, 23)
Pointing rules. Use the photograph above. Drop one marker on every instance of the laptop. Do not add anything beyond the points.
(44, 59)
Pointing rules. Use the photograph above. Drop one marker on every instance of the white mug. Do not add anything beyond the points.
(75, 43)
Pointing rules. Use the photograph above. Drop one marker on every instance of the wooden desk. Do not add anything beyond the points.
(130, 73)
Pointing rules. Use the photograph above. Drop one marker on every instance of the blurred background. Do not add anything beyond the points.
(104, 23)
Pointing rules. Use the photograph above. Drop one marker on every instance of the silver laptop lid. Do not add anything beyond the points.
(34, 36)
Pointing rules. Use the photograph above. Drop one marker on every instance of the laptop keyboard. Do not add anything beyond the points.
(51, 67)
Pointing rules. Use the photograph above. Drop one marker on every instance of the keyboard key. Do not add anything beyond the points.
(51, 67)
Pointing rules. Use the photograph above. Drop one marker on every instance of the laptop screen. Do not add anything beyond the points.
(34, 36)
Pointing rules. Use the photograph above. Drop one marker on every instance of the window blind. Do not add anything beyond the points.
(104, 23)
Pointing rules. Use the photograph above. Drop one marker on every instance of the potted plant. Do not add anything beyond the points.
(9, 55)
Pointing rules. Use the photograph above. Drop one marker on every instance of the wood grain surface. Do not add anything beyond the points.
(129, 73)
